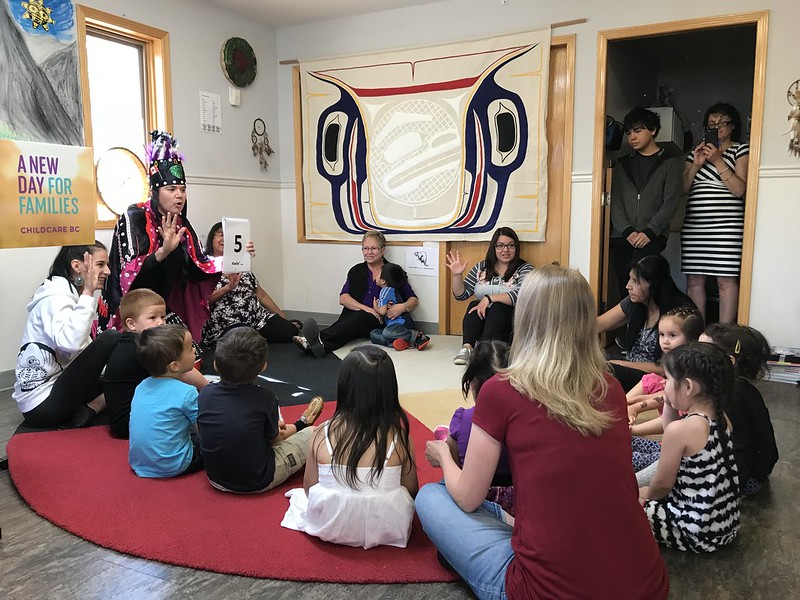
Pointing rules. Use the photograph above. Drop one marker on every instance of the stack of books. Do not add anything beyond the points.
(784, 365)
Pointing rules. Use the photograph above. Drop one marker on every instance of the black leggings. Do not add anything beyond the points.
(627, 376)
(278, 330)
(78, 384)
(350, 325)
(497, 325)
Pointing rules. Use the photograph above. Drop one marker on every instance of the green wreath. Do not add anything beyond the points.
(238, 62)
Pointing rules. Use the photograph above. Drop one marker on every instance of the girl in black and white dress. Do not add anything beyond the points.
(715, 177)
(692, 501)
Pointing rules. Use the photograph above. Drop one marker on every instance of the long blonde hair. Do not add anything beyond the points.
(556, 358)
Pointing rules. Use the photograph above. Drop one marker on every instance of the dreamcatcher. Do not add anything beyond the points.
(261, 147)
(793, 96)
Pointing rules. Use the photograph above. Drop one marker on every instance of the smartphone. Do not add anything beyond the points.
(710, 136)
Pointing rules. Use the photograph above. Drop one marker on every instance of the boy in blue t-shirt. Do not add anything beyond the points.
(139, 309)
(163, 435)
(397, 331)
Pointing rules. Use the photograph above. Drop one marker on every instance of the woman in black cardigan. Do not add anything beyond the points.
(357, 298)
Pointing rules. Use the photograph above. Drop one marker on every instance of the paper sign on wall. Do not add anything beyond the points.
(422, 260)
(210, 113)
(235, 258)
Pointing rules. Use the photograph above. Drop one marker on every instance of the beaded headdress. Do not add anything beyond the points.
(165, 160)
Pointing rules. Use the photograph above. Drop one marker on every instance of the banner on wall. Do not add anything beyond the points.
(440, 143)
(46, 195)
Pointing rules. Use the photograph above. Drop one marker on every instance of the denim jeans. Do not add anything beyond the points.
(477, 544)
(387, 335)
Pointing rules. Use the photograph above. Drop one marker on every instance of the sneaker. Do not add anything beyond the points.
(422, 341)
(311, 335)
(400, 344)
(313, 410)
(301, 343)
(463, 356)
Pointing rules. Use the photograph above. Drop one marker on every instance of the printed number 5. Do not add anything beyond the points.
(237, 243)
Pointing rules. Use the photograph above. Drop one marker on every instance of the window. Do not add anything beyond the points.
(125, 86)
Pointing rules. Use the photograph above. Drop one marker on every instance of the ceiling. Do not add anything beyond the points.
(280, 13)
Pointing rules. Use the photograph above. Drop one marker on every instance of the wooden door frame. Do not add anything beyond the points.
(567, 41)
(761, 20)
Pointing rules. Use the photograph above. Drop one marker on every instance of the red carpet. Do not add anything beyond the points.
(80, 480)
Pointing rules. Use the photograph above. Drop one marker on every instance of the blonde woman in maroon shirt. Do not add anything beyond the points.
(580, 531)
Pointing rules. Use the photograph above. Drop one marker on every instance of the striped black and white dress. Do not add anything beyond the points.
(711, 237)
(701, 512)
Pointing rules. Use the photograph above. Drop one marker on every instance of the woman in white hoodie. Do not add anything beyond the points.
(58, 369)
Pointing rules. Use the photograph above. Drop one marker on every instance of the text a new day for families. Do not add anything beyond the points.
(41, 189)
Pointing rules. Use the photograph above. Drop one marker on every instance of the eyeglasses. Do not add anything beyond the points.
(510, 246)
(370, 249)
(719, 124)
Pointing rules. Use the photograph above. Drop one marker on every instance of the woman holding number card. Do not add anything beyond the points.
(155, 246)
(239, 299)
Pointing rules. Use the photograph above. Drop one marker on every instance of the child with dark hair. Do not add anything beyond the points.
(247, 448)
(139, 310)
(754, 444)
(487, 359)
(676, 327)
(163, 440)
(398, 332)
(692, 502)
(360, 479)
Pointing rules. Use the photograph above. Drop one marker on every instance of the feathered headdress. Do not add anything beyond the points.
(165, 160)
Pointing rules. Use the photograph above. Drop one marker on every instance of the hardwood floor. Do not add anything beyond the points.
(39, 560)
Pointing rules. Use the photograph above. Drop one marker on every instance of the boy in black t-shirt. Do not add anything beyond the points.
(139, 310)
(246, 446)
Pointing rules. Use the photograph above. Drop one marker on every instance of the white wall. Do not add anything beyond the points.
(775, 302)
(225, 178)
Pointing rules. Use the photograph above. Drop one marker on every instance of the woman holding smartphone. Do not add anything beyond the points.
(715, 177)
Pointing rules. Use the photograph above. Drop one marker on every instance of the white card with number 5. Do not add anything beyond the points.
(235, 258)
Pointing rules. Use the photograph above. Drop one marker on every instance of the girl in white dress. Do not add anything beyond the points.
(360, 477)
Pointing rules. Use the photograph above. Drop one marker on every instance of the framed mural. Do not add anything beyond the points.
(39, 53)
(440, 143)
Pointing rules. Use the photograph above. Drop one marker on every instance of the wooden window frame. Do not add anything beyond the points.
(157, 78)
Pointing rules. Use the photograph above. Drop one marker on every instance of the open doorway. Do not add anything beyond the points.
(677, 69)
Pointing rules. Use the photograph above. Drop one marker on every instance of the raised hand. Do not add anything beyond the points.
(89, 274)
(170, 232)
(453, 262)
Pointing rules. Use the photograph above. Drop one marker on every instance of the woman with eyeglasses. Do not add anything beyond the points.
(495, 283)
(358, 299)
(715, 177)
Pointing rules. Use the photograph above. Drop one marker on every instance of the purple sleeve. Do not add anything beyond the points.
(460, 427)
(345, 287)
(406, 291)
